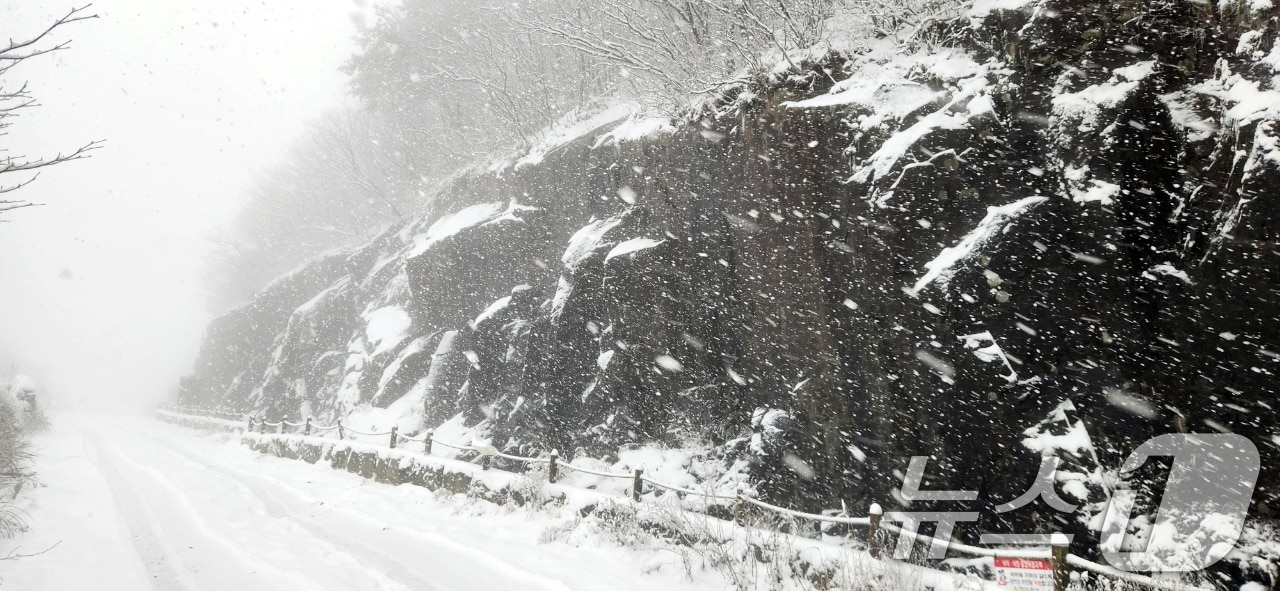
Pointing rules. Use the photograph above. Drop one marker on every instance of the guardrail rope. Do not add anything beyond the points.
(809, 516)
(1041, 553)
(522, 459)
(375, 434)
(593, 472)
(459, 447)
(688, 491)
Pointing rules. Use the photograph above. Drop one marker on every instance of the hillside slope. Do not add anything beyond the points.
(1052, 219)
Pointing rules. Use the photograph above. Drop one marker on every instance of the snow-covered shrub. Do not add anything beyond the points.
(1257, 553)
(526, 489)
(747, 558)
(36, 420)
(15, 453)
(15, 458)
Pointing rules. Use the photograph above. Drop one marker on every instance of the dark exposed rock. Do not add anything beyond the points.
(1072, 204)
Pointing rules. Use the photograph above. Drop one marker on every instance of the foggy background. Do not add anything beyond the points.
(101, 297)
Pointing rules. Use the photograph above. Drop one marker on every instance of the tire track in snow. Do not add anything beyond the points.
(384, 572)
(363, 534)
(140, 521)
(162, 529)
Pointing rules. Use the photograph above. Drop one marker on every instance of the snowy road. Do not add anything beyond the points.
(132, 503)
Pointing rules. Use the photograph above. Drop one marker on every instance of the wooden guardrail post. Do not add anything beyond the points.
(1061, 546)
(341, 433)
(249, 429)
(873, 529)
(426, 441)
(637, 485)
(306, 430)
(283, 420)
(486, 462)
(393, 437)
(737, 505)
(553, 467)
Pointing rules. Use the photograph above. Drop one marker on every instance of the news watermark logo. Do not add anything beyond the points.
(1199, 520)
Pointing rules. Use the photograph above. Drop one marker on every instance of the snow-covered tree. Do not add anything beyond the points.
(338, 184)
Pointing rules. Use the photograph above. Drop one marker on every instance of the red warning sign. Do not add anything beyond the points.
(1024, 574)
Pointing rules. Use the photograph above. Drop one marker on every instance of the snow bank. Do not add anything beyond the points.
(209, 423)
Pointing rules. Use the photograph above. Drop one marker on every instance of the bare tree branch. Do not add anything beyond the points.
(16, 164)
(12, 102)
(13, 554)
(12, 50)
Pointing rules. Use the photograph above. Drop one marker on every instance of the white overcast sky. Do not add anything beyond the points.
(100, 288)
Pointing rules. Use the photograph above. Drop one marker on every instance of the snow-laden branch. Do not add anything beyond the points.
(12, 102)
(14, 51)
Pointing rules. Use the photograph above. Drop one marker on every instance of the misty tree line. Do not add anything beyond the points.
(443, 83)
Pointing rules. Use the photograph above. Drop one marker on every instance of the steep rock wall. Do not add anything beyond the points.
(1052, 217)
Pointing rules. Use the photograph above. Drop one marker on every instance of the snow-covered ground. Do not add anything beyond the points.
(132, 503)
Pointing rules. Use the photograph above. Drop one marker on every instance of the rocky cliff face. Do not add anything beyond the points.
(1050, 217)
